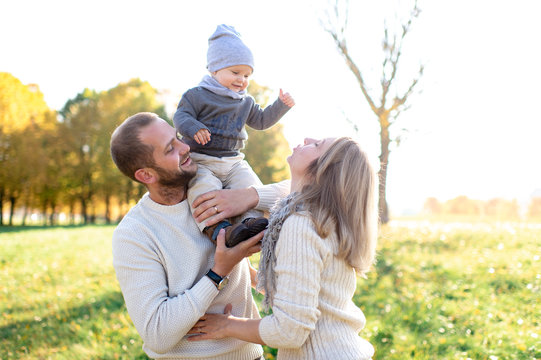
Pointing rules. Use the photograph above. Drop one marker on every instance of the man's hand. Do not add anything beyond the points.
(202, 136)
(226, 258)
(286, 99)
(219, 205)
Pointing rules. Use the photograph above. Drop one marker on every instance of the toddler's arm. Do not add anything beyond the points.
(185, 119)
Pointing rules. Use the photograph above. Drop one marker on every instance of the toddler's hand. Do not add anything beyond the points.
(202, 136)
(286, 99)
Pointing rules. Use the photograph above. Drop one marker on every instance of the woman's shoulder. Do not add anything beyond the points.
(301, 224)
(300, 218)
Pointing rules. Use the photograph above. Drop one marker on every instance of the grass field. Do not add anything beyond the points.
(440, 291)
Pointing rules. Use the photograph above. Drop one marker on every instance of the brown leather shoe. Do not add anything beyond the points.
(256, 225)
(236, 234)
(239, 232)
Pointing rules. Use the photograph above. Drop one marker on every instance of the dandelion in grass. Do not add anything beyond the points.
(491, 270)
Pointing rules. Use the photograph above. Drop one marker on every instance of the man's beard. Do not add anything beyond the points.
(174, 179)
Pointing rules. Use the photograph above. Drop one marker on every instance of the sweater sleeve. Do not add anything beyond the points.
(185, 118)
(300, 255)
(263, 119)
(268, 194)
(161, 320)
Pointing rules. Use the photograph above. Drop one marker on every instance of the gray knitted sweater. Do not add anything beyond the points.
(224, 117)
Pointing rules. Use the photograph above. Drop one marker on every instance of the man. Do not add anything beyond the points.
(169, 273)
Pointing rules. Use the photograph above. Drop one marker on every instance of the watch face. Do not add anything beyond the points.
(223, 283)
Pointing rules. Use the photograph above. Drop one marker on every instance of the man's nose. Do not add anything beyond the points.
(183, 147)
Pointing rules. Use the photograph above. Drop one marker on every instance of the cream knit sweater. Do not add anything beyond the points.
(314, 316)
(161, 258)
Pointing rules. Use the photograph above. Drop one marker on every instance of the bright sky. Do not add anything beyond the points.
(474, 130)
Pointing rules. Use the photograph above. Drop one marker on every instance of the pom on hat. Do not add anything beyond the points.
(227, 49)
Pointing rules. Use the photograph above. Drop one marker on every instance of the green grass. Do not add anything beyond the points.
(438, 292)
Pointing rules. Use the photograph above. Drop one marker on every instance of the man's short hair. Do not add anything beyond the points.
(127, 150)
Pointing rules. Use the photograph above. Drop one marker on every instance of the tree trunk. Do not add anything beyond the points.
(52, 216)
(84, 211)
(44, 212)
(2, 206)
(72, 212)
(107, 209)
(12, 201)
(25, 214)
(382, 173)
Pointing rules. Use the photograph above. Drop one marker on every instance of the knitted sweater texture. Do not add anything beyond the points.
(224, 117)
(314, 316)
(161, 258)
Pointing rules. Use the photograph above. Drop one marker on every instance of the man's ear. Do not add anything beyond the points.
(146, 176)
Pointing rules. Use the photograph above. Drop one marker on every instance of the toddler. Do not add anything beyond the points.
(211, 119)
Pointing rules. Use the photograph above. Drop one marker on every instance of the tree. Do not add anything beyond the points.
(462, 205)
(80, 130)
(534, 209)
(432, 206)
(391, 100)
(115, 105)
(266, 150)
(88, 121)
(501, 209)
(22, 116)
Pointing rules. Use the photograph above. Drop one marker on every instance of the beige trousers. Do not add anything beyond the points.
(215, 173)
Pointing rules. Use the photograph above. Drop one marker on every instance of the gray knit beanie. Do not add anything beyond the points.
(227, 49)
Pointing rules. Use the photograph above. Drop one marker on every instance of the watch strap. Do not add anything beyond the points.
(216, 279)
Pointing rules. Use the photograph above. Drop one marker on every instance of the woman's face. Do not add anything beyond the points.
(303, 155)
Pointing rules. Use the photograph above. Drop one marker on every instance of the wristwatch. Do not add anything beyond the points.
(219, 281)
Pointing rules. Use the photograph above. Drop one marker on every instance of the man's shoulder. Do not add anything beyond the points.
(130, 224)
(137, 221)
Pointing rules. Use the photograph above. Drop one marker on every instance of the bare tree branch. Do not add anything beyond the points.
(387, 114)
(340, 41)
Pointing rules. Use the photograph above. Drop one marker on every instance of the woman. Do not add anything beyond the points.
(319, 238)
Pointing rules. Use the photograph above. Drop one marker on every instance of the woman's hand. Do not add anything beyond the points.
(218, 205)
(211, 326)
(218, 326)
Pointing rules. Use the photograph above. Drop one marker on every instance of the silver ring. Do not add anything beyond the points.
(216, 208)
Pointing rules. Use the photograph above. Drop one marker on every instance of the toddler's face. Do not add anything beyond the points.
(234, 77)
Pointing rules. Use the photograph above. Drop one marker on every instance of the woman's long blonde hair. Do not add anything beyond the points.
(340, 193)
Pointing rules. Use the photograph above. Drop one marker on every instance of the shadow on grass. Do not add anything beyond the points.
(79, 325)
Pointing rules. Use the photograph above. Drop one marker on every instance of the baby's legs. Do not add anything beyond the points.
(232, 173)
(242, 176)
(204, 181)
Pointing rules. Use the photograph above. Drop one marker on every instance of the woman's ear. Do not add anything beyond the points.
(146, 176)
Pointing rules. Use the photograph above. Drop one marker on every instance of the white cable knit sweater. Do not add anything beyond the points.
(161, 258)
(314, 316)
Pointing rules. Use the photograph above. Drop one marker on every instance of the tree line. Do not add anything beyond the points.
(494, 209)
(58, 162)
